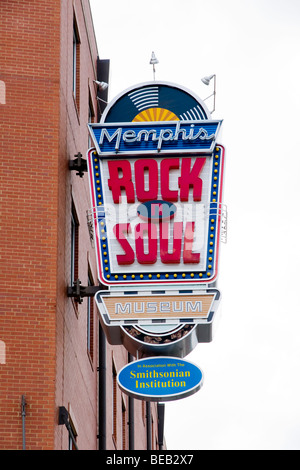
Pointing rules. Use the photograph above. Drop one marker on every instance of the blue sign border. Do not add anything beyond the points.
(160, 379)
(155, 137)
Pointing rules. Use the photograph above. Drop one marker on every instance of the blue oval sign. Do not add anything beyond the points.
(156, 211)
(160, 379)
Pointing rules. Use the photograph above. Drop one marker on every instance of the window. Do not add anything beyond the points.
(74, 245)
(90, 320)
(114, 404)
(72, 436)
(124, 426)
(2, 92)
(76, 64)
(2, 352)
(91, 118)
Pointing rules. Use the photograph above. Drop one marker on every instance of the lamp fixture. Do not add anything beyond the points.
(153, 62)
(101, 85)
(206, 80)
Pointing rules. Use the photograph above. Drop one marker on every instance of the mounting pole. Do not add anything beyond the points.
(23, 414)
(153, 61)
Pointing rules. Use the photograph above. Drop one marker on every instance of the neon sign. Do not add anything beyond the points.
(156, 189)
(157, 219)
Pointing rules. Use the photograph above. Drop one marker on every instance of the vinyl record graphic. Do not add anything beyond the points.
(155, 101)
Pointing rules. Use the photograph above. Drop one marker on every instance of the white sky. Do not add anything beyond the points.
(251, 393)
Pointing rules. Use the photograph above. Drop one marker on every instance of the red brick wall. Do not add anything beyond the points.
(28, 237)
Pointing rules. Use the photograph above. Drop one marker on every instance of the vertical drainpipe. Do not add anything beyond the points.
(161, 421)
(131, 415)
(149, 427)
(102, 391)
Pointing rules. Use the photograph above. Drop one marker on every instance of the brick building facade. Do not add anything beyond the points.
(57, 372)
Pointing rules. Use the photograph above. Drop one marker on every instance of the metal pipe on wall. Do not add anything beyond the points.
(161, 424)
(149, 427)
(102, 391)
(23, 414)
(131, 414)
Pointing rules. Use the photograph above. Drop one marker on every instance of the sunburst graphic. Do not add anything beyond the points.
(155, 114)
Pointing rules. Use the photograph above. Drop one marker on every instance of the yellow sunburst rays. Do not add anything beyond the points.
(155, 114)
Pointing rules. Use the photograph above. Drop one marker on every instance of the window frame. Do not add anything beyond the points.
(76, 64)
(114, 404)
(91, 118)
(74, 245)
(90, 320)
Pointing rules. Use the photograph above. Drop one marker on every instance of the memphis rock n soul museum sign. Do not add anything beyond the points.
(156, 182)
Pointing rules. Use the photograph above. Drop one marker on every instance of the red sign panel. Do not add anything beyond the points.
(157, 219)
